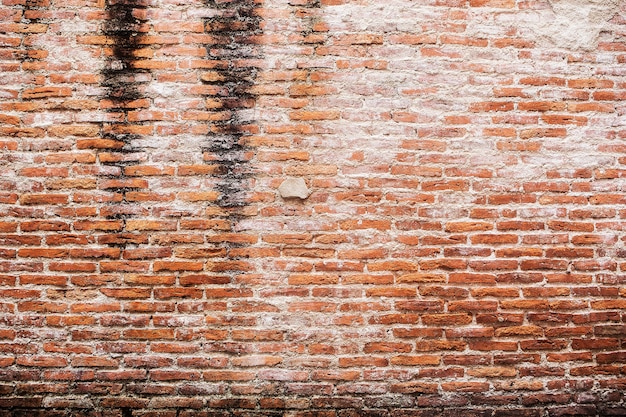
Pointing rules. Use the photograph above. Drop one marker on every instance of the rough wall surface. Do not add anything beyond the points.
(461, 251)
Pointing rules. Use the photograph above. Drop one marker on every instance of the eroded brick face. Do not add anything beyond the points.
(461, 252)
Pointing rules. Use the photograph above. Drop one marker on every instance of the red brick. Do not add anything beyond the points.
(149, 334)
(177, 266)
(35, 199)
(460, 249)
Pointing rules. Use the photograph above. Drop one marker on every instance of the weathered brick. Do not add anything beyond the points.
(459, 254)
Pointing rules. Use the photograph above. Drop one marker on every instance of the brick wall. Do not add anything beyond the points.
(461, 251)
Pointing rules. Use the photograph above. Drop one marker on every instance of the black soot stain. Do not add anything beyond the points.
(234, 53)
(121, 79)
(27, 54)
(124, 83)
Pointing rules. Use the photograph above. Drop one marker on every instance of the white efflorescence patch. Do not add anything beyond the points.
(576, 24)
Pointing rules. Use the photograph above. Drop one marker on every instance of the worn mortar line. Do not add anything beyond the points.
(123, 94)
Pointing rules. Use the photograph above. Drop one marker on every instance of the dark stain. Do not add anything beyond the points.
(233, 51)
(309, 14)
(31, 15)
(31, 10)
(124, 84)
(121, 78)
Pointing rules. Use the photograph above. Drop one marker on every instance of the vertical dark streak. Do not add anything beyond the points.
(123, 83)
(29, 7)
(123, 29)
(233, 51)
(28, 54)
